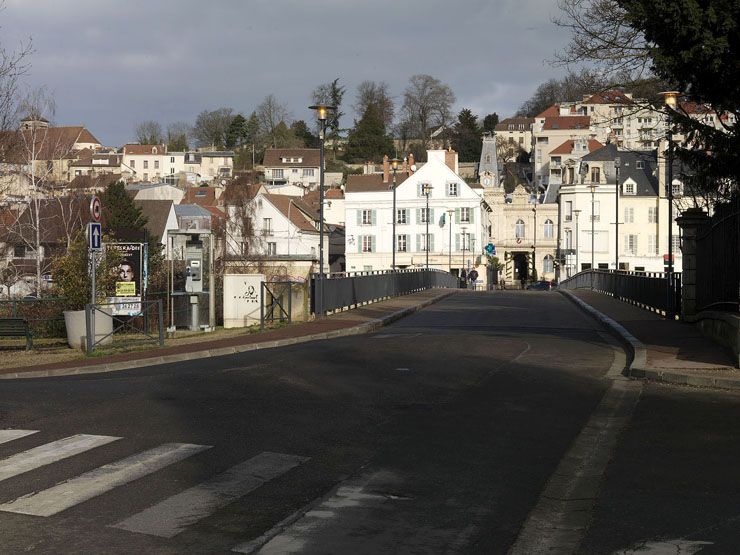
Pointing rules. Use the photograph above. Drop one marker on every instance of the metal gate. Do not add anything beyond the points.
(145, 324)
(276, 302)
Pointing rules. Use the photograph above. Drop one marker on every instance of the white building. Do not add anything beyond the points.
(589, 211)
(291, 171)
(454, 221)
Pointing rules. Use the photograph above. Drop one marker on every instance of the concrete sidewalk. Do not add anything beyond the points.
(365, 319)
(664, 350)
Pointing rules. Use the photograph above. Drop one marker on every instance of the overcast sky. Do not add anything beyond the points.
(111, 65)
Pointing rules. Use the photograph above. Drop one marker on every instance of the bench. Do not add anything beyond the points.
(16, 327)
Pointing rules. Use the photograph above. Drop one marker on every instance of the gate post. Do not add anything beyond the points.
(691, 223)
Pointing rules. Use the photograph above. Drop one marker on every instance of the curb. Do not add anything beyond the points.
(359, 329)
(637, 367)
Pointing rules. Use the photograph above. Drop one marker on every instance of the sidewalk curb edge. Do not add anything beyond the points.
(359, 329)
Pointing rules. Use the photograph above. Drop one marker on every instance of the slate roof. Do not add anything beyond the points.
(503, 125)
(191, 211)
(645, 178)
(157, 213)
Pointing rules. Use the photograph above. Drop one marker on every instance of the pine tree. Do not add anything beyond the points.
(119, 211)
(466, 138)
(368, 139)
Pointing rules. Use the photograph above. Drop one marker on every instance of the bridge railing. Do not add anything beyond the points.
(656, 291)
(351, 289)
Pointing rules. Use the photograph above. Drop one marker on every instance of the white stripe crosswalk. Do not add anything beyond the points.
(91, 484)
(173, 515)
(49, 453)
(10, 435)
(164, 519)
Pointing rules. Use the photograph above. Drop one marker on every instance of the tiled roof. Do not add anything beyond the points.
(60, 217)
(609, 97)
(274, 157)
(504, 124)
(567, 122)
(98, 182)
(567, 147)
(371, 183)
(50, 143)
(136, 149)
(294, 209)
(550, 112)
(204, 196)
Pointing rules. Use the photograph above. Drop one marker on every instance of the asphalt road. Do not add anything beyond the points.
(438, 434)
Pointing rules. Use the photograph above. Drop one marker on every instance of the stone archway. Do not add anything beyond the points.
(521, 267)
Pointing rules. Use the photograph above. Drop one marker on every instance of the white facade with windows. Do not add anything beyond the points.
(455, 223)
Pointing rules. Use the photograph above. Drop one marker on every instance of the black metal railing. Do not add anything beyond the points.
(106, 324)
(353, 288)
(718, 261)
(657, 291)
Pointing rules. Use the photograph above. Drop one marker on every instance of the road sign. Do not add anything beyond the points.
(491, 248)
(95, 208)
(94, 236)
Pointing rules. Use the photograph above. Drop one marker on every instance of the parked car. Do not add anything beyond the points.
(540, 286)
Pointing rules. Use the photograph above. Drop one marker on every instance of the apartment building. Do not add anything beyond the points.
(437, 213)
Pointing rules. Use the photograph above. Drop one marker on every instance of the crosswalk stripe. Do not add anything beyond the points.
(173, 515)
(49, 453)
(96, 482)
(10, 435)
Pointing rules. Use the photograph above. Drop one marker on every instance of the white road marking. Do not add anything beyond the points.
(49, 453)
(175, 514)
(10, 435)
(96, 482)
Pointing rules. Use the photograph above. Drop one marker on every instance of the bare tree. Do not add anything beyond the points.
(270, 113)
(601, 34)
(13, 65)
(331, 94)
(211, 127)
(149, 132)
(427, 103)
(572, 87)
(376, 94)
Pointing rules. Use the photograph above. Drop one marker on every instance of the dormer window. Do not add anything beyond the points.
(154, 150)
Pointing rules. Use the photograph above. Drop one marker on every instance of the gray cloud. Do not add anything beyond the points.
(112, 65)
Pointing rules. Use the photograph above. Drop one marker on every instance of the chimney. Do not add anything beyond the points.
(386, 170)
(451, 159)
(412, 167)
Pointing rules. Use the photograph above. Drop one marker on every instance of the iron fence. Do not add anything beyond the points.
(45, 316)
(657, 291)
(104, 328)
(718, 260)
(276, 302)
(354, 288)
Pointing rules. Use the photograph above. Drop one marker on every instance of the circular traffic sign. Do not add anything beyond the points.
(95, 209)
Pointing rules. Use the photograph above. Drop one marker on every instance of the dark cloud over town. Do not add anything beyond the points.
(113, 65)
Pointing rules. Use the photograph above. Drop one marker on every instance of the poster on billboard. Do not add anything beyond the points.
(129, 281)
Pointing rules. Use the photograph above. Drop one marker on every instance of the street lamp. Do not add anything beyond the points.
(617, 163)
(534, 239)
(577, 213)
(463, 229)
(450, 212)
(322, 113)
(670, 99)
(426, 190)
(592, 187)
(394, 167)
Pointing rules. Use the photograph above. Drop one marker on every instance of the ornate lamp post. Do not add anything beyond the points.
(394, 167)
(426, 190)
(670, 98)
(617, 163)
(322, 113)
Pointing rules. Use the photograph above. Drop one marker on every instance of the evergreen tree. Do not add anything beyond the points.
(368, 140)
(490, 122)
(119, 211)
(301, 130)
(236, 135)
(466, 138)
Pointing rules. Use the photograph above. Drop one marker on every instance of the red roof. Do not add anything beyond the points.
(567, 122)
(567, 147)
(144, 149)
(609, 97)
(550, 112)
